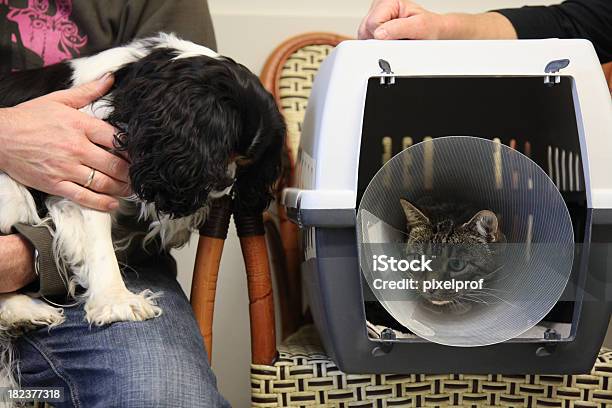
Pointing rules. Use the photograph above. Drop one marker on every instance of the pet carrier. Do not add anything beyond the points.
(522, 129)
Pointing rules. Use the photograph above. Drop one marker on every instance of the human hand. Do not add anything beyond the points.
(404, 19)
(17, 267)
(47, 144)
(401, 19)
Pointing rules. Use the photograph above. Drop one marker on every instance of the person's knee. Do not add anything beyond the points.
(168, 379)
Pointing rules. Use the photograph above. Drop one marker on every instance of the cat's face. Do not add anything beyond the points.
(463, 251)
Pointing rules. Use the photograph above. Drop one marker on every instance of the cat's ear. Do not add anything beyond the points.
(414, 217)
(484, 223)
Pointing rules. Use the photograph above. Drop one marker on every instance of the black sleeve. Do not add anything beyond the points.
(588, 19)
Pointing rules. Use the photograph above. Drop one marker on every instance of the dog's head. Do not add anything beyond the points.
(194, 126)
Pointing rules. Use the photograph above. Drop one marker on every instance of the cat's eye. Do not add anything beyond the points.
(456, 265)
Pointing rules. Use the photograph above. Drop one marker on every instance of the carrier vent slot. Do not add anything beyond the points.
(306, 169)
(497, 165)
(429, 158)
(577, 173)
(309, 240)
(557, 177)
(515, 173)
(387, 145)
(406, 142)
(570, 167)
(527, 150)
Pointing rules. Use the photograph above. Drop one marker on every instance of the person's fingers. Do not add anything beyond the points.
(114, 166)
(408, 28)
(99, 132)
(100, 183)
(362, 32)
(103, 134)
(384, 11)
(85, 197)
(84, 94)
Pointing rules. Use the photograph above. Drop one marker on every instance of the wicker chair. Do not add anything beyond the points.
(302, 375)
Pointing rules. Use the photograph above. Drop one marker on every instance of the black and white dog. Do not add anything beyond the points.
(193, 123)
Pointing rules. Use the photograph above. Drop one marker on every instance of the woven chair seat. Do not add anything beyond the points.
(303, 376)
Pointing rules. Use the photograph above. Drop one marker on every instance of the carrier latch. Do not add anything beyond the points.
(552, 68)
(389, 77)
(388, 337)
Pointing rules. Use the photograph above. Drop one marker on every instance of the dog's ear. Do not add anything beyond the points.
(260, 166)
(180, 124)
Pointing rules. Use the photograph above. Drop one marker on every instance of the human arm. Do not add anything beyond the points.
(588, 19)
(403, 19)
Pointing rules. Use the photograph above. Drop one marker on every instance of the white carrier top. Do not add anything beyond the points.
(331, 137)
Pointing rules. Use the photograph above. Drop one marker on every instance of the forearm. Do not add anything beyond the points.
(477, 27)
(587, 19)
(5, 119)
(16, 254)
(16, 263)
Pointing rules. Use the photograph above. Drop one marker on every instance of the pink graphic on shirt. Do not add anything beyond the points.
(54, 37)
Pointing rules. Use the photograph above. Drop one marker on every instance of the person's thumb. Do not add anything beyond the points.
(398, 29)
(85, 94)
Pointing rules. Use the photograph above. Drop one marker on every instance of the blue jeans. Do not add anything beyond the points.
(157, 363)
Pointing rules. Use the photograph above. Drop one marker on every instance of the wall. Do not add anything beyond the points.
(248, 31)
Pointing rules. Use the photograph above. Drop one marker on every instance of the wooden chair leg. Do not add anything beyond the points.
(278, 263)
(608, 73)
(206, 269)
(289, 237)
(250, 229)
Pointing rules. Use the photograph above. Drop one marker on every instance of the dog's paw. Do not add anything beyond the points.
(121, 307)
(22, 313)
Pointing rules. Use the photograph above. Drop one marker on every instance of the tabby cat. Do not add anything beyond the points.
(461, 243)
